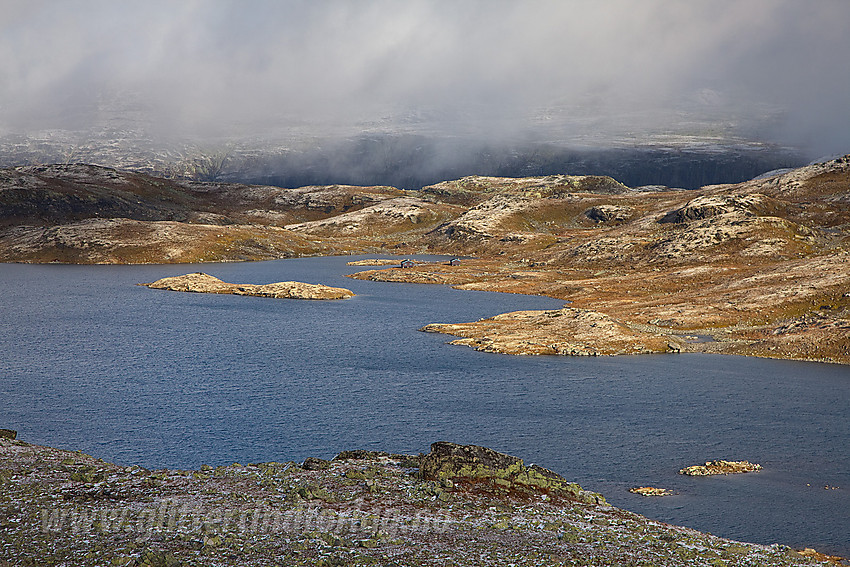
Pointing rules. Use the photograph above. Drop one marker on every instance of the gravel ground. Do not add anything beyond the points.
(61, 507)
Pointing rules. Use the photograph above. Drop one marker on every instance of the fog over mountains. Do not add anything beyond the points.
(296, 92)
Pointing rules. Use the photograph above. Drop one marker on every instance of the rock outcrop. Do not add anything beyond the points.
(315, 464)
(487, 219)
(608, 213)
(85, 214)
(199, 282)
(129, 241)
(479, 467)
(720, 467)
(390, 216)
(708, 206)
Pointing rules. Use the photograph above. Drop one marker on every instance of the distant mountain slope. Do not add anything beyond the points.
(90, 214)
(56, 194)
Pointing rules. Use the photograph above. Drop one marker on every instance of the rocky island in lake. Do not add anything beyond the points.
(650, 491)
(720, 467)
(200, 282)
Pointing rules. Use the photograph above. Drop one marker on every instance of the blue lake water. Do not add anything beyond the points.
(91, 361)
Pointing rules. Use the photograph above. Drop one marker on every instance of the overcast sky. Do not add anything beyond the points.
(782, 67)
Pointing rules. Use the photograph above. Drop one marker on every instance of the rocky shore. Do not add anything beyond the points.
(457, 505)
(759, 268)
(199, 282)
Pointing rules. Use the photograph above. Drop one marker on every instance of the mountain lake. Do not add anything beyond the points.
(92, 362)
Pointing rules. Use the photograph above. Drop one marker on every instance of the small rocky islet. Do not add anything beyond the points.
(720, 467)
(711, 468)
(650, 491)
(374, 262)
(199, 282)
(458, 505)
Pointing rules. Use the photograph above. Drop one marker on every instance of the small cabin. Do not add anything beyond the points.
(454, 262)
(407, 263)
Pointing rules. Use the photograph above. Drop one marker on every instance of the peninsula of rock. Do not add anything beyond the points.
(567, 331)
(199, 282)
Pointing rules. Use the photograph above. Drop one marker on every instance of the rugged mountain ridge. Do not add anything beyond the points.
(89, 214)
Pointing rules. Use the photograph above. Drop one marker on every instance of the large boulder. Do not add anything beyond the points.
(477, 466)
(608, 213)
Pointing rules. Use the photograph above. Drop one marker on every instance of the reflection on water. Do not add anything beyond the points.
(162, 379)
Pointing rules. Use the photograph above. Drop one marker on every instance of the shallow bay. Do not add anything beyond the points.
(91, 361)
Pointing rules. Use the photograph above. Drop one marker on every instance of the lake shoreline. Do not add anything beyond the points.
(822, 337)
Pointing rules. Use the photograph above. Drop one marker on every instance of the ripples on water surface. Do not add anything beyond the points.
(162, 379)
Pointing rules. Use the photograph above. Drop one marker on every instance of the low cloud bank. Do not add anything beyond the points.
(566, 72)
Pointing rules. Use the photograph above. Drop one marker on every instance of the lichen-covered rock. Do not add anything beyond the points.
(720, 467)
(8, 433)
(159, 559)
(473, 189)
(476, 465)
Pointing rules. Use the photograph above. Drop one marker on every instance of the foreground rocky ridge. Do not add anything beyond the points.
(459, 505)
(757, 268)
